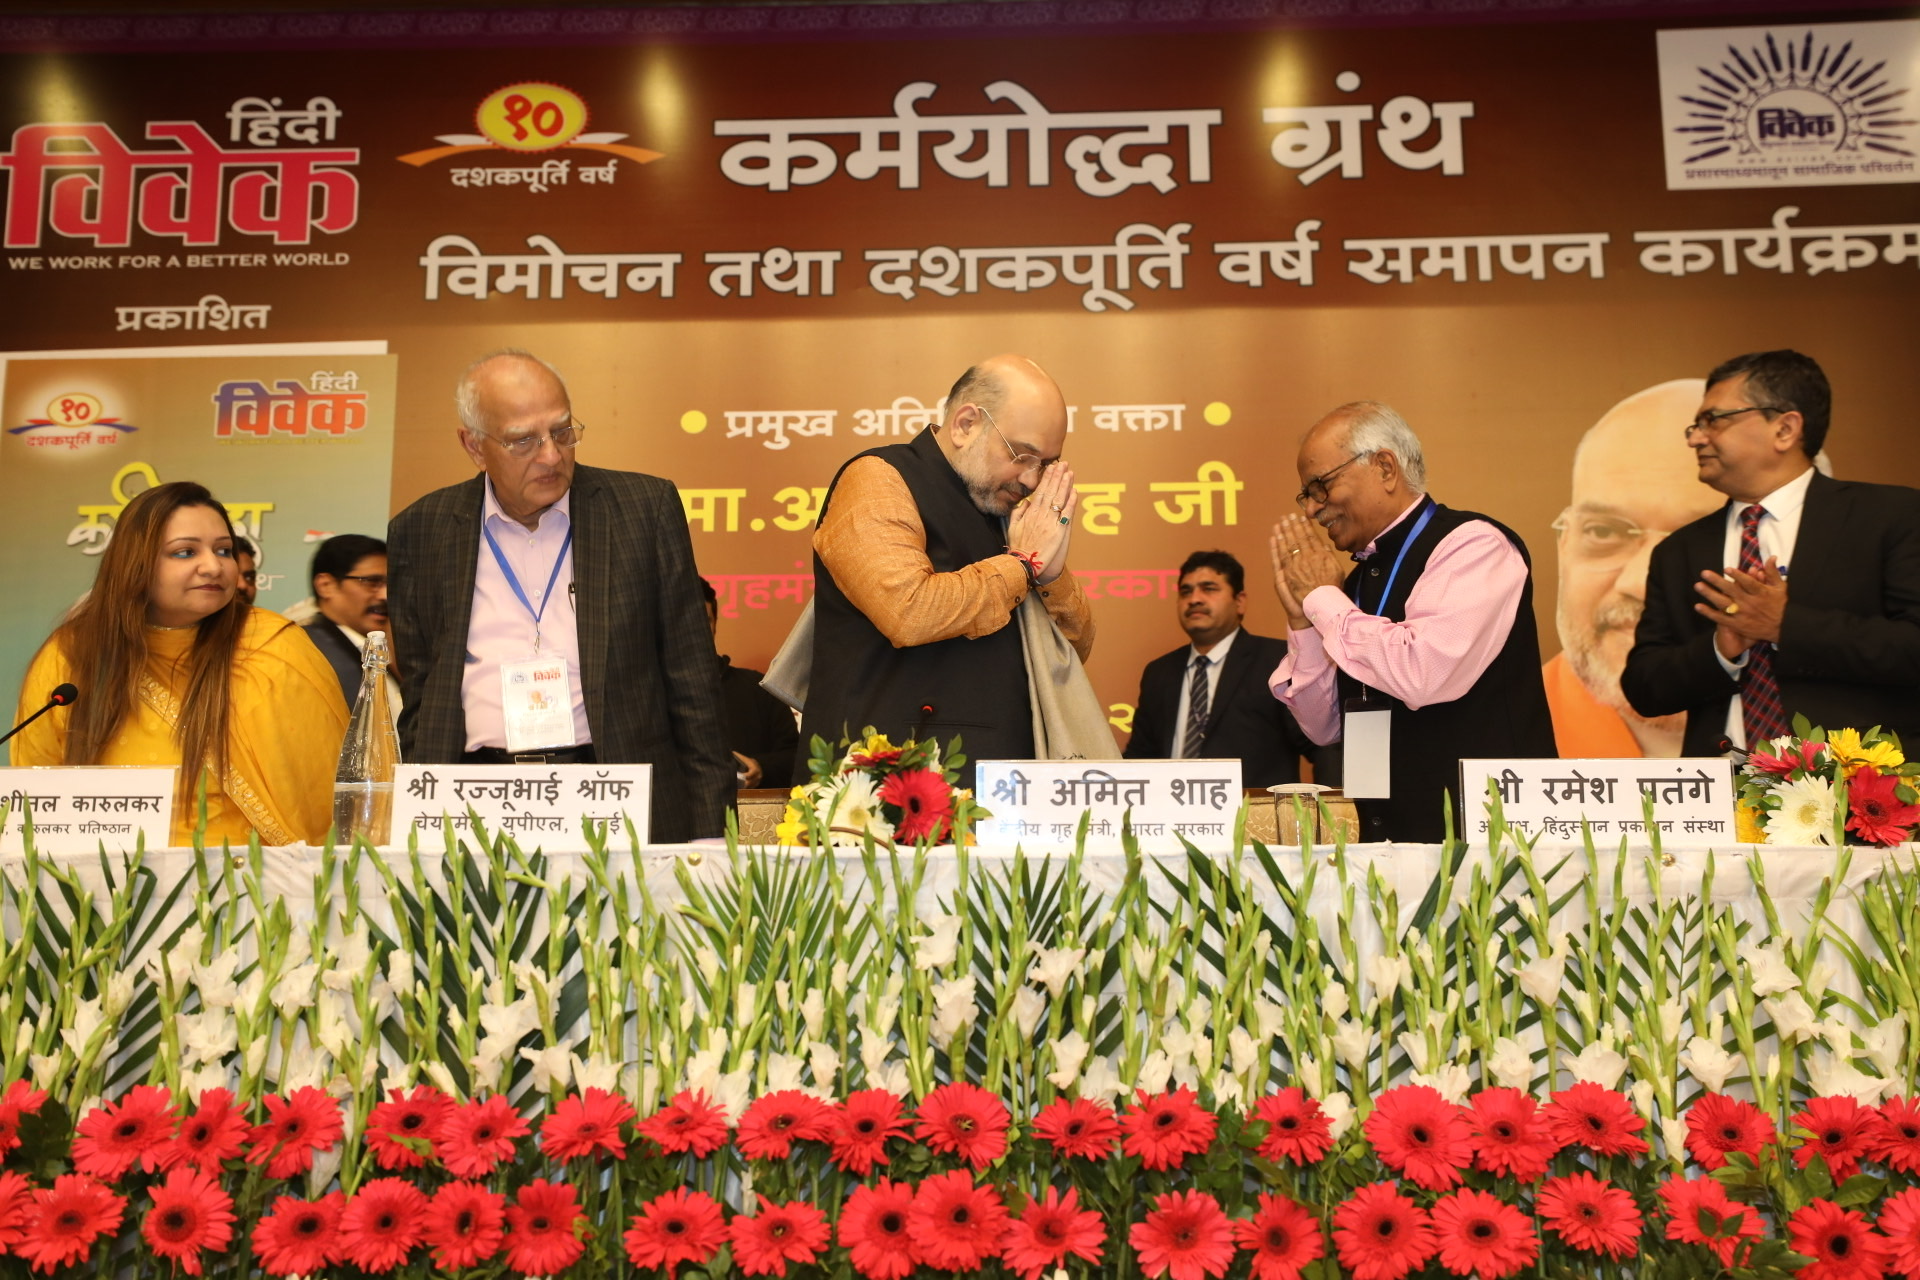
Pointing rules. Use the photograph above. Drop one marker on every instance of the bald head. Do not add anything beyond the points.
(1005, 420)
(510, 404)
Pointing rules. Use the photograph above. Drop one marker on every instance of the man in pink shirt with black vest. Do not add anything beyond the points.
(1430, 635)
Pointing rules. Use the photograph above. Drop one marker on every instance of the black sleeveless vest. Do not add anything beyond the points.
(973, 688)
(1503, 714)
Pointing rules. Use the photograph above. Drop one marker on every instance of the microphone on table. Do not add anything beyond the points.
(64, 695)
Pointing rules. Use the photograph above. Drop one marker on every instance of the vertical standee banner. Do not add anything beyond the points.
(1533, 240)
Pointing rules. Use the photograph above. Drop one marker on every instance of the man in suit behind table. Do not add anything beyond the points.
(550, 613)
(1432, 628)
(1208, 698)
(1724, 637)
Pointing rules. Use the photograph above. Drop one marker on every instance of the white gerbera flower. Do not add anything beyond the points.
(1805, 815)
(852, 810)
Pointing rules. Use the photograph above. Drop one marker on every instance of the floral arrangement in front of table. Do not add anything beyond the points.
(876, 1186)
(868, 788)
(1789, 790)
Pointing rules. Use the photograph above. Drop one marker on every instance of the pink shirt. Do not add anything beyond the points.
(501, 630)
(1458, 616)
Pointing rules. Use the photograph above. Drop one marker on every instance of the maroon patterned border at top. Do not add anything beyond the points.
(799, 22)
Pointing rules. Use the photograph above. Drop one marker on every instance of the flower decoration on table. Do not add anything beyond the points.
(1789, 790)
(869, 788)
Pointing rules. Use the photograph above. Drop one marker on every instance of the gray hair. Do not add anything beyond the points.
(466, 394)
(1373, 427)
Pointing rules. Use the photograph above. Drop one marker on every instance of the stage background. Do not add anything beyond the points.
(1183, 376)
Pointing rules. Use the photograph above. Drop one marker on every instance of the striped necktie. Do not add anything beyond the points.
(1761, 711)
(1196, 710)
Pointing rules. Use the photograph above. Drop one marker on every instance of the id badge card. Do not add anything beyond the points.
(1366, 770)
(536, 699)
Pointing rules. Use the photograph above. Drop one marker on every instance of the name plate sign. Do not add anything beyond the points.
(1037, 804)
(539, 805)
(75, 808)
(1692, 798)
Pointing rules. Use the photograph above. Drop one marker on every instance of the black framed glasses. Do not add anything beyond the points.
(565, 436)
(1712, 421)
(373, 581)
(1315, 490)
(1025, 461)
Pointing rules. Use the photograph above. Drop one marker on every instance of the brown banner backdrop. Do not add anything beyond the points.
(1129, 208)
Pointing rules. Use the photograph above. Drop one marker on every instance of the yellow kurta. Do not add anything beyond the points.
(284, 730)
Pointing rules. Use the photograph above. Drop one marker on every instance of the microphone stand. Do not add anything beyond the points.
(51, 704)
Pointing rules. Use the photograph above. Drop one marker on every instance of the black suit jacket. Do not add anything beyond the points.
(1849, 651)
(341, 653)
(1245, 720)
(648, 671)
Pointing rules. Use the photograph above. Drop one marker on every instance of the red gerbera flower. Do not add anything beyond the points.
(382, 1224)
(680, 1226)
(212, 1135)
(1900, 1220)
(20, 1099)
(1166, 1129)
(1718, 1126)
(66, 1219)
(874, 1230)
(190, 1213)
(1079, 1127)
(966, 1121)
(1876, 814)
(113, 1137)
(1050, 1230)
(296, 1127)
(1481, 1235)
(1688, 1200)
(1185, 1235)
(1417, 1132)
(1841, 1243)
(299, 1238)
(1601, 1120)
(579, 1125)
(464, 1225)
(691, 1122)
(775, 1121)
(541, 1240)
(1897, 1141)
(402, 1130)
(765, 1242)
(1591, 1214)
(1510, 1136)
(1281, 1236)
(861, 1127)
(955, 1225)
(16, 1202)
(1839, 1130)
(925, 802)
(1380, 1234)
(477, 1136)
(1297, 1128)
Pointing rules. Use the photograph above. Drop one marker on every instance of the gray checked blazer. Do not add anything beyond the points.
(647, 665)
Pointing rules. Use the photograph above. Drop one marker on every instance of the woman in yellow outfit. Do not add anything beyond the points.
(175, 669)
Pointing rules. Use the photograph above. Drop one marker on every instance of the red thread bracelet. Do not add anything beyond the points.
(1030, 562)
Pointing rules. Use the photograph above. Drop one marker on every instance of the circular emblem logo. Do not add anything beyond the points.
(73, 409)
(531, 116)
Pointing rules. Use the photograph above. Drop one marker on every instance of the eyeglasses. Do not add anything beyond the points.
(1711, 421)
(1315, 490)
(563, 437)
(1604, 540)
(1025, 461)
(374, 581)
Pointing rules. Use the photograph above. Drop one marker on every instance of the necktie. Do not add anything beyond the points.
(1761, 711)
(1196, 711)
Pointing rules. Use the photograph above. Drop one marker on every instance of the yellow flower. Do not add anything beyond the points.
(1746, 824)
(1854, 756)
(877, 743)
(790, 830)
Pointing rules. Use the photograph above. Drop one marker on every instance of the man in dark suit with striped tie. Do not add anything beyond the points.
(540, 575)
(1208, 699)
(1801, 595)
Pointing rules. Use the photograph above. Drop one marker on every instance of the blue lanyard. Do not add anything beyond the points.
(1418, 525)
(513, 582)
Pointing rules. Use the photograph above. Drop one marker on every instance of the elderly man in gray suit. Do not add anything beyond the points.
(550, 613)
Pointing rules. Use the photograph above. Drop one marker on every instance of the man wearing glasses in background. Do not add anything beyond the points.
(550, 613)
(349, 584)
(922, 554)
(1421, 655)
(1724, 637)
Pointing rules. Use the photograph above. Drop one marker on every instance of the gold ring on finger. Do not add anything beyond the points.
(1731, 609)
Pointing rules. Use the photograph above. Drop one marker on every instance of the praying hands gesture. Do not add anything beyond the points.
(1042, 525)
(1303, 560)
